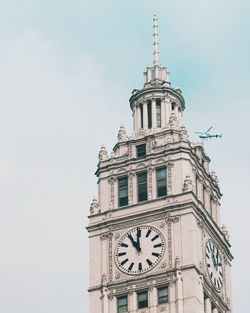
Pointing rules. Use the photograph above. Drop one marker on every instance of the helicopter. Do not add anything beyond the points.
(207, 135)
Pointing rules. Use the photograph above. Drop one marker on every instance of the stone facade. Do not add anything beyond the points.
(188, 216)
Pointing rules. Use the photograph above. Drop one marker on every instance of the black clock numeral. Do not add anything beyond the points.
(211, 275)
(122, 253)
(148, 233)
(155, 237)
(140, 266)
(155, 254)
(158, 245)
(220, 280)
(124, 245)
(149, 262)
(221, 274)
(207, 255)
(131, 266)
(125, 261)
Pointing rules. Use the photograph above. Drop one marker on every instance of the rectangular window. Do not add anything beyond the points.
(123, 190)
(142, 186)
(141, 150)
(142, 298)
(162, 295)
(149, 114)
(122, 304)
(158, 113)
(161, 179)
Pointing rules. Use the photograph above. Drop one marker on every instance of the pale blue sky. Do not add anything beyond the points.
(67, 69)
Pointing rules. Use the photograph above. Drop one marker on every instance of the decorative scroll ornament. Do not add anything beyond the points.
(215, 177)
(95, 207)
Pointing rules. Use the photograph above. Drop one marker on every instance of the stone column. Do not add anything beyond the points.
(150, 183)
(167, 110)
(171, 297)
(208, 306)
(134, 118)
(145, 115)
(105, 300)
(153, 113)
(163, 115)
(138, 117)
(153, 299)
(179, 292)
(132, 303)
(113, 185)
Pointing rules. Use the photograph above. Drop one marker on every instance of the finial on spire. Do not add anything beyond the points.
(156, 43)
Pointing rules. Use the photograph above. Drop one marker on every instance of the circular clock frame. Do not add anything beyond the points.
(139, 250)
(213, 261)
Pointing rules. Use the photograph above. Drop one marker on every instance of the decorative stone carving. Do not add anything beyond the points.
(122, 134)
(131, 176)
(215, 177)
(225, 232)
(103, 154)
(183, 134)
(201, 226)
(173, 120)
(95, 207)
(188, 184)
(111, 181)
(117, 275)
(150, 184)
(169, 180)
(177, 262)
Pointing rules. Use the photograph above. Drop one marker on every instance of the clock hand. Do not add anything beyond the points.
(138, 235)
(133, 242)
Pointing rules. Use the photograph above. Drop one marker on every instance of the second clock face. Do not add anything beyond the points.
(139, 250)
(214, 265)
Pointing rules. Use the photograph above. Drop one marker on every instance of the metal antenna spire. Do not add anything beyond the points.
(156, 43)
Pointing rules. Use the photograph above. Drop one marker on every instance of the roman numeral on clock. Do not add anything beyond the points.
(148, 233)
(155, 237)
(140, 266)
(149, 262)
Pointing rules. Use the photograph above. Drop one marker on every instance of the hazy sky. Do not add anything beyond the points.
(67, 69)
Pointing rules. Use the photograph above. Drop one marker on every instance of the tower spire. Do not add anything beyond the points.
(156, 41)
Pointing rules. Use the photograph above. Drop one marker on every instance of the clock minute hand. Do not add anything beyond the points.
(133, 242)
(138, 235)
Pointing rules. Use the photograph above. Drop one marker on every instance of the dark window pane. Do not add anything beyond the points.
(141, 150)
(161, 178)
(123, 191)
(122, 304)
(149, 114)
(158, 112)
(142, 186)
(142, 298)
(162, 295)
(141, 110)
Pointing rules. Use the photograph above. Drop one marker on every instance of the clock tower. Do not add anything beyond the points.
(155, 236)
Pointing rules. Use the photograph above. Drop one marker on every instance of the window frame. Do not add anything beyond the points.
(145, 151)
(121, 306)
(138, 303)
(138, 187)
(164, 167)
(119, 190)
(164, 296)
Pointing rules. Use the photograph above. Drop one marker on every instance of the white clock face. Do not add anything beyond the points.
(214, 265)
(139, 250)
